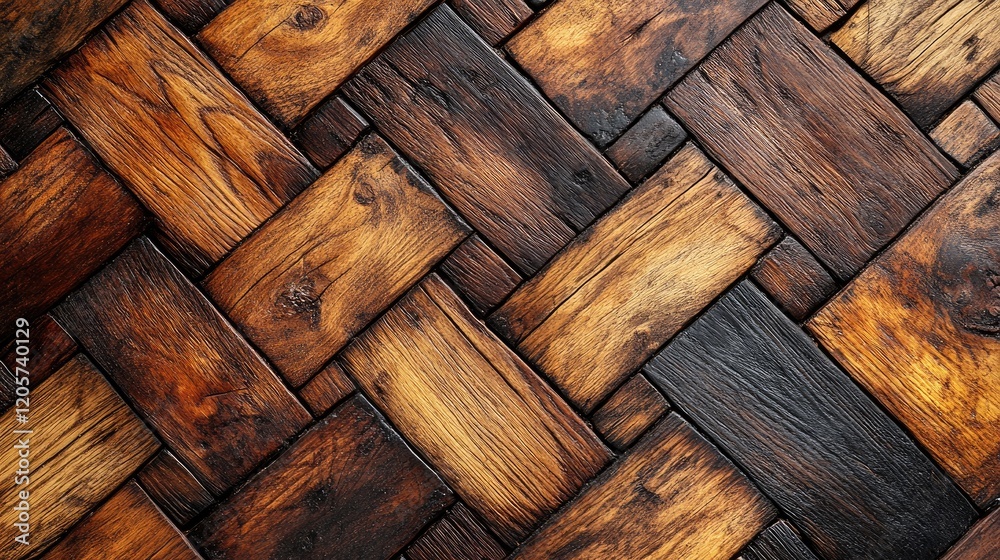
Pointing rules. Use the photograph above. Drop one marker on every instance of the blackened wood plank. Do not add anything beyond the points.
(458, 536)
(493, 20)
(480, 275)
(794, 279)
(630, 411)
(25, 122)
(497, 151)
(778, 542)
(348, 489)
(834, 159)
(982, 542)
(509, 446)
(174, 488)
(967, 134)
(644, 146)
(49, 347)
(191, 15)
(329, 131)
(188, 144)
(214, 401)
(326, 389)
(811, 439)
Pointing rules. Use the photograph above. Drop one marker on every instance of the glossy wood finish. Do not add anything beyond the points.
(778, 542)
(329, 131)
(630, 411)
(967, 134)
(457, 536)
(644, 146)
(174, 488)
(793, 277)
(480, 275)
(25, 122)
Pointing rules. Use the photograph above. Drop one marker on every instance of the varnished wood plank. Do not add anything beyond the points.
(501, 437)
(794, 278)
(673, 496)
(497, 151)
(479, 274)
(982, 542)
(632, 280)
(25, 122)
(326, 389)
(926, 53)
(214, 401)
(334, 258)
(932, 306)
(127, 526)
(843, 471)
(493, 20)
(630, 411)
(840, 165)
(288, 56)
(191, 15)
(457, 536)
(349, 488)
(644, 146)
(187, 143)
(85, 443)
(330, 131)
(603, 63)
(174, 488)
(49, 347)
(778, 542)
(61, 217)
(967, 134)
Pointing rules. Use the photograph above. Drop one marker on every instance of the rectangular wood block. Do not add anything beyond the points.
(842, 470)
(503, 439)
(778, 542)
(493, 20)
(214, 401)
(26, 122)
(932, 304)
(631, 281)
(188, 144)
(479, 274)
(793, 277)
(982, 542)
(834, 159)
(673, 496)
(518, 172)
(349, 488)
(174, 488)
(288, 56)
(604, 61)
(967, 134)
(335, 258)
(457, 536)
(326, 389)
(49, 347)
(86, 442)
(630, 411)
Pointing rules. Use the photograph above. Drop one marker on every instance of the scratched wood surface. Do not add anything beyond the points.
(488, 279)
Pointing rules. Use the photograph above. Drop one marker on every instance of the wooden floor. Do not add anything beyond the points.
(478, 279)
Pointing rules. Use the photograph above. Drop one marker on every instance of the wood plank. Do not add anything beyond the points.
(841, 470)
(819, 14)
(61, 217)
(793, 277)
(7, 163)
(127, 526)
(988, 96)
(931, 302)
(778, 542)
(630, 282)
(326, 389)
(140, 88)
(85, 443)
(288, 56)
(457, 536)
(191, 15)
(982, 542)
(926, 53)
(214, 401)
(37, 33)
(174, 488)
(49, 347)
(480, 275)
(493, 20)
(603, 63)
(330, 131)
(673, 496)
(646, 144)
(967, 134)
(348, 488)
(502, 438)
(837, 162)
(487, 139)
(26, 122)
(334, 258)
(630, 411)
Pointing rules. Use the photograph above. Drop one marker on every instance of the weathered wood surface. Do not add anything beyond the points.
(174, 488)
(493, 20)
(777, 542)
(967, 134)
(326, 389)
(821, 14)
(793, 277)
(646, 144)
(630, 411)
(458, 536)
(329, 131)
(25, 122)
(49, 349)
(982, 542)
(480, 275)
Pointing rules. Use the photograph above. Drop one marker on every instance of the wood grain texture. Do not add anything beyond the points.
(334, 258)
(988, 96)
(86, 442)
(646, 144)
(34, 34)
(186, 142)
(214, 401)
(793, 277)
(480, 275)
(811, 439)
(630, 411)
(493, 20)
(778, 542)
(673, 496)
(982, 542)
(191, 15)
(820, 14)
(174, 488)
(932, 304)
(837, 162)
(330, 131)
(126, 526)
(603, 63)
(967, 134)
(326, 389)
(632, 280)
(487, 139)
(288, 56)
(926, 53)
(502, 439)
(61, 217)
(49, 348)
(7, 163)
(457, 536)
(25, 122)
(349, 488)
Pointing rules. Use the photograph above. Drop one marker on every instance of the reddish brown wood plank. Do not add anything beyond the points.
(191, 15)
(334, 258)
(214, 401)
(186, 142)
(496, 150)
(61, 217)
(493, 20)
(458, 536)
(330, 131)
(840, 165)
(349, 488)
(174, 488)
(25, 122)
(982, 542)
(326, 389)
(480, 275)
(630, 411)
(49, 347)
(644, 146)
(967, 134)
(501, 437)
(791, 275)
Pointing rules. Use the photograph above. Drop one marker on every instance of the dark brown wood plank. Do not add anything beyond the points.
(837, 162)
(191, 15)
(61, 217)
(493, 20)
(334, 258)
(330, 131)
(496, 150)
(673, 496)
(25, 122)
(988, 96)
(49, 347)
(174, 488)
(503, 439)
(794, 278)
(349, 488)
(214, 401)
(7, 163)
(982, 542)
(326, 389)
(841, 470)
(457, 536)
(819, 14)
(184, 140)
(630, 411)
(644, 146)
(480, 275)
(778, 542)
(967, 134)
